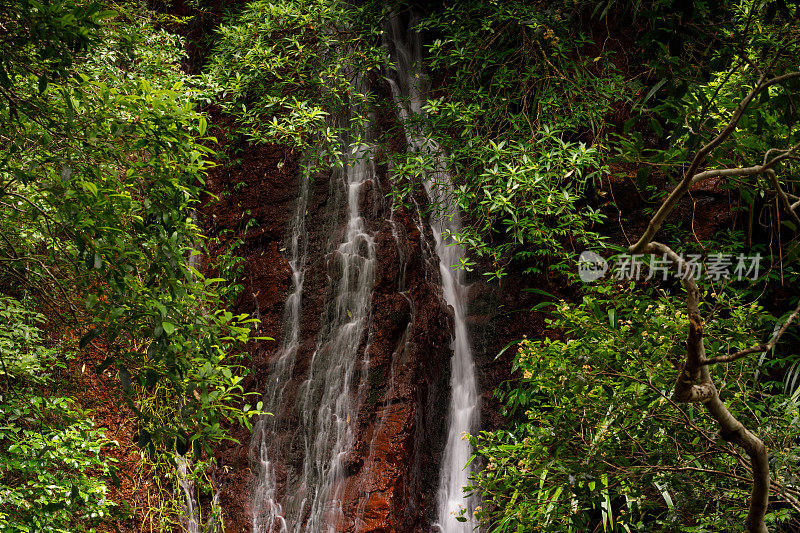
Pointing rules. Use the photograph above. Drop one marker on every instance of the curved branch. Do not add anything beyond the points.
(683, 187)
(694, 385)
(754, 349)
(748, 171)
(783, 198)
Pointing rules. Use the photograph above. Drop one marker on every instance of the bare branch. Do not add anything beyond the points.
(694, 385)
(755, 349)
(748, 171)
(782, 196)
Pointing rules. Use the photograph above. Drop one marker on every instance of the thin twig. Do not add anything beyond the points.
(754, 349)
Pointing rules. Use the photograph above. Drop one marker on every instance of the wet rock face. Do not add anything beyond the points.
(401, 394)
(262, 187)
(400, 422)
(392, 469)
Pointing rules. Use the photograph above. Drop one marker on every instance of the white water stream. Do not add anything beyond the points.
(409, 88)
(329, 406)
(326, 404)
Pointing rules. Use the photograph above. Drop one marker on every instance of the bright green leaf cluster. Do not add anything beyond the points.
(597, 440)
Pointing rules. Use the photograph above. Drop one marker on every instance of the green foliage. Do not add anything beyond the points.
(514, 67)
(521, 117)
(102, 165)
(689, 106)
(52, 470)
(598, 443)
(98, 183)
(52, 475)
(534, 193)
(21, 352)
(43, 38)
(282, 69)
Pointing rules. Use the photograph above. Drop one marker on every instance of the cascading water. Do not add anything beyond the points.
(328, 407)
(301, 483)
(190, 518)
(267, 511)
(326, 402)
(463, 410)
(408, 91)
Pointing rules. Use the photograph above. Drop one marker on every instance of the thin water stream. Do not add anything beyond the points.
(327, 400)
(268, 514)
(309, 497)
(409, 87)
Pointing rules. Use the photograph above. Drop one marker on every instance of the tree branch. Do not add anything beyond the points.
(747, 171)
(783, 198)
(755, 349)
(694, 385)
(683, 187)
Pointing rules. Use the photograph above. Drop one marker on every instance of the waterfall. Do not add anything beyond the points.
(267, 511)
(328, 408)
(408, 88)
(300, 481)
(190, 513)
(326, 403)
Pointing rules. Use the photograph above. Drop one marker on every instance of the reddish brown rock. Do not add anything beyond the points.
(392, 467)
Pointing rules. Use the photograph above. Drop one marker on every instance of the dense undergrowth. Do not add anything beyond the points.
(103, 158)
(53, 474)
(540, 108)
(598, 439)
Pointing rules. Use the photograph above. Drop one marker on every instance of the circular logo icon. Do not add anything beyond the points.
(591, 266)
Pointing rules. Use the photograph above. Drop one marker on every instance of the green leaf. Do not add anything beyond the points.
(125, 379)
(87, 338)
